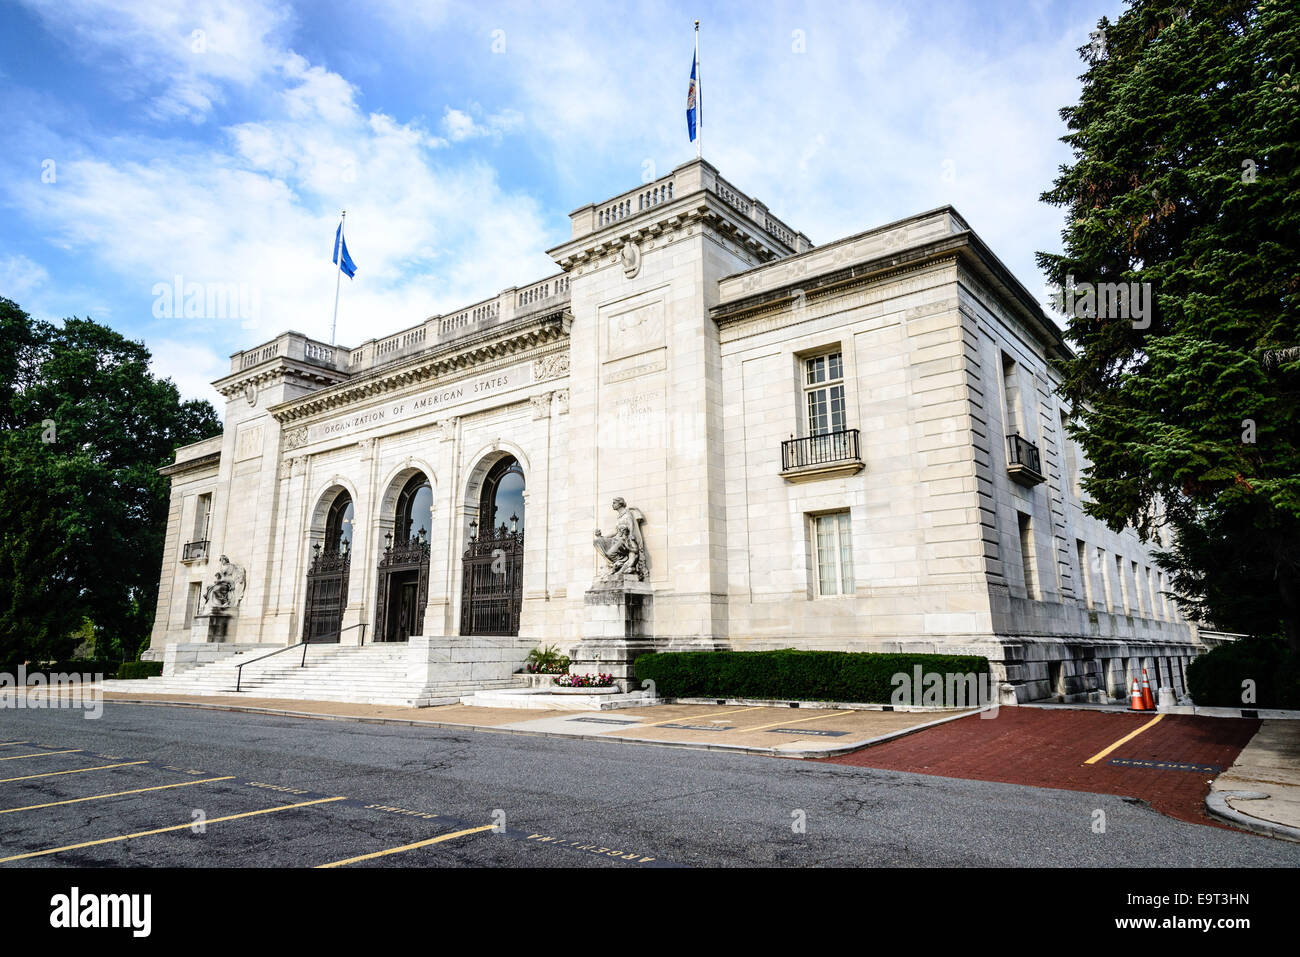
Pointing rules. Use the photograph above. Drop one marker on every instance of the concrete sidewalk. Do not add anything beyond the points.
(777, 731)
(1261, 791)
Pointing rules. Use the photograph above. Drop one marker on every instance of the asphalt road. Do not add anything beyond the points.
(554, 802)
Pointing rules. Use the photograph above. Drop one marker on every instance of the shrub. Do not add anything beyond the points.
(82, 666)
(140, 669)
(793, 675)
(1215, 678)
(547, 660)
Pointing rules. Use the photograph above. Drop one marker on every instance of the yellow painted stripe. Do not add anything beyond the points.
(695, 717)
(54, 774)
(782, 724)
(98, 797)
(6, 744)
(39, 754)
(164, 830)
(408, 847)
(1128, 737)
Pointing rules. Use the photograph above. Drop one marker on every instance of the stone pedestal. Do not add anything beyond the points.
(617, 627)
(212, 628)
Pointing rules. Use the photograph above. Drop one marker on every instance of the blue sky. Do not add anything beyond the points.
(217, 141)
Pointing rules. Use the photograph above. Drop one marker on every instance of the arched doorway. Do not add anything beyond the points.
(493, 573)
(404, 566)
(327, 575)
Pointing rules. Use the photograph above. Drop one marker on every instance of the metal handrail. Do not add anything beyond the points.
(239, 669)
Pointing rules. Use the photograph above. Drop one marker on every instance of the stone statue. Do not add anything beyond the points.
(625, 548)
(227, 588)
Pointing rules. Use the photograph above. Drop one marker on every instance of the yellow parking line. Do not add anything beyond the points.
(409, 847)
(1128, 737)
(164, 830)
(782, 724)
(39, 754)
(696, 717)
(97, 797)
(53, 774)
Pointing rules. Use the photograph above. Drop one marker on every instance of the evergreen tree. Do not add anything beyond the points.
(1186, 176)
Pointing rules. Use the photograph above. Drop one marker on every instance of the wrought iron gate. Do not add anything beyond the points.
(493, 585)
(400, 563)
(327, 595)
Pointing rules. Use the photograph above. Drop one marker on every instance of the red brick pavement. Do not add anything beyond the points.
(1048, 747)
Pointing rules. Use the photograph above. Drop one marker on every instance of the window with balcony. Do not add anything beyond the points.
(833, 553)
(1023, 463)
(828, 445)
(196, 549)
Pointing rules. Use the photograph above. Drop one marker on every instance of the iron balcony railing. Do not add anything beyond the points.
(194, 551)
(824, 449)
(1021, 452)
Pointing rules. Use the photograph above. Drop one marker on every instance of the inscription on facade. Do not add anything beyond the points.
(423, 403)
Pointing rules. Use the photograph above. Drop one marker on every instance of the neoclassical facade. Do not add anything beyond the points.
(856, 446)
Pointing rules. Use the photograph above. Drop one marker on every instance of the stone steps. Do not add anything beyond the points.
(370, 674)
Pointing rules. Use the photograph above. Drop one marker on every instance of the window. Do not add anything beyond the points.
(1108, 592)
(1071, 458)
(1122, 587)
(1085, 577)
(834, 554)
(1138, 601)
(1012, 407)
(202, 515)
(192, 602)
(1027, 554)
(824, 391)
(414, 518)
(338, 524)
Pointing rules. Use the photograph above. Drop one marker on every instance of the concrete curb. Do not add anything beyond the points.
(1216, 802)
(802, 754)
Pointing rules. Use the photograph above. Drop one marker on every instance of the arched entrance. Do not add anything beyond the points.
(404, 566)
(327, 575)
(493, 574)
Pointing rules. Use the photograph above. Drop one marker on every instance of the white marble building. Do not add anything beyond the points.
(856, 446)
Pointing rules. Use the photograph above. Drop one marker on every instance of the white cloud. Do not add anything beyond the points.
(175, 54)
(193, 367)
(20, 278)
(429, 232)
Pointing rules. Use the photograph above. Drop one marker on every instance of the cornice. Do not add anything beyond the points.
(189, 465)
(702, 206)
(493, 347)
(278, 370)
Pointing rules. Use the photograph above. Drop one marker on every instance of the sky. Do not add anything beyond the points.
(153, 144)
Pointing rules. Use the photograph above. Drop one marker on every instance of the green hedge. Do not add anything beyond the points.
(791, 675)
(82, 666)
(140, 669)
(1215, 678)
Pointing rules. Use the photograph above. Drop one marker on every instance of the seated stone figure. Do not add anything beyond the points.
(625, 548)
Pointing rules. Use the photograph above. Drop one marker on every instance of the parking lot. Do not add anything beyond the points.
(63, 805)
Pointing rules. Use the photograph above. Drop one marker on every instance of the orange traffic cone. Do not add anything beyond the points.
(1137, 704)
(1148, 699)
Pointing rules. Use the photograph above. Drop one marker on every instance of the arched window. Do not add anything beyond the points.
(414, 510)
(502, 502)
(338, 525)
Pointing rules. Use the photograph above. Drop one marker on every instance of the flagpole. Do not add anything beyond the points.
(338, 278)
(699, 96)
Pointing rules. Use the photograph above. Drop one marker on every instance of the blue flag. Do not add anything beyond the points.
(692, 102)
(340, 246)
